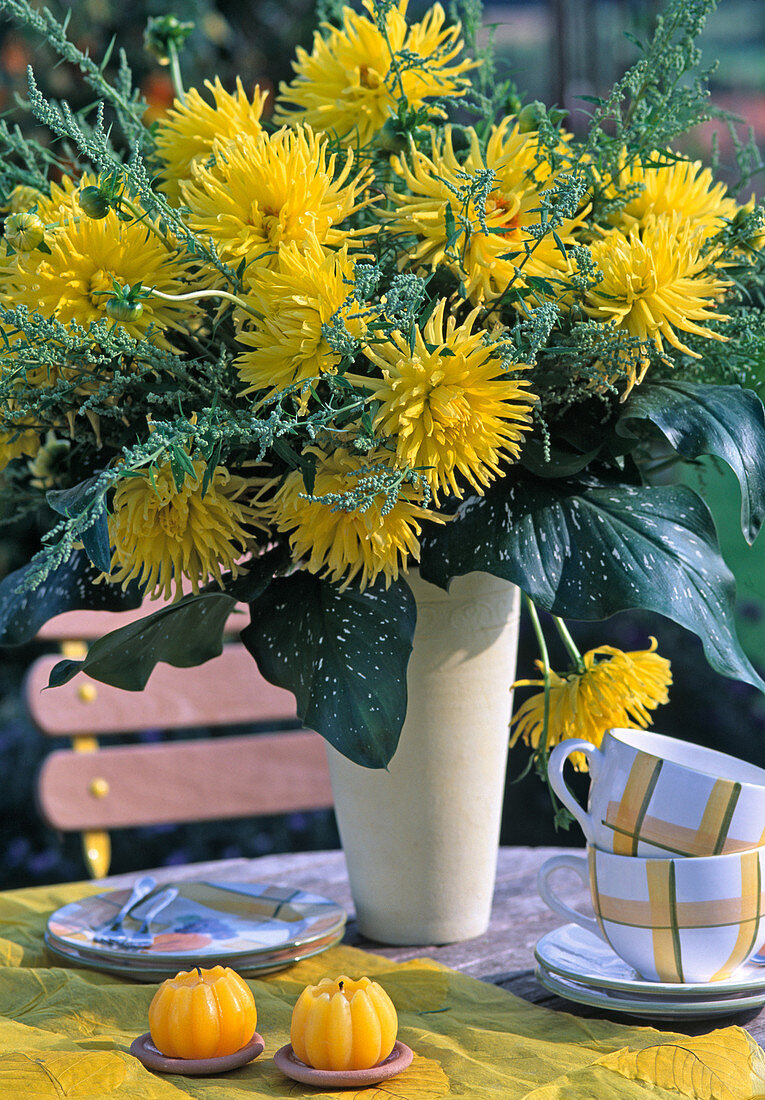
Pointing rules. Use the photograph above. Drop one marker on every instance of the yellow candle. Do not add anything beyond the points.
(202, 1014)
(343, 1024)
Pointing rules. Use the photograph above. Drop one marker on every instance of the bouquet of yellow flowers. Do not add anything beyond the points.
(283, 353)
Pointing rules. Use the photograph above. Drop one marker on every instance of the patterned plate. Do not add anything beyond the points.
(577, 955)
(208, 921)
(248, 968)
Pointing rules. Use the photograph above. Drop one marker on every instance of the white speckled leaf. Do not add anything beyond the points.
(725, 421)
(342, 654)
(183, 634)
(68, 588)
(586, 550)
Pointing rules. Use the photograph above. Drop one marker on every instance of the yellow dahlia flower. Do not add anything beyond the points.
(74, 282)
(484, 261)
(295, 300)
(186, 134)
(657, 282)
(342, 544)
(615, 690)
(684, 188)
(161, 534)
(21, 198)
(266, 193)
(449, 405)
(348, 86)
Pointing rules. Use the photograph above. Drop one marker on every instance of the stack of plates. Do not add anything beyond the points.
(252, 927)
(575, 964)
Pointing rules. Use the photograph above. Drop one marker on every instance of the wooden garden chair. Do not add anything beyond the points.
(91, 789)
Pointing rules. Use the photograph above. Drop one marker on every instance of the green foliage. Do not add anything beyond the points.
(343, 653)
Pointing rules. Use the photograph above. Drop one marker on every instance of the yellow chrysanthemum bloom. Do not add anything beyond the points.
(437, 184)
(684, 187)
(74, 282)
(657, 282)
(161, 534)
(266, 193)
(61, 204)
(186, 134)
(615, 690)
(348, 86)
(21, 198)
(449, 405)
(339, 544)
(295, 300)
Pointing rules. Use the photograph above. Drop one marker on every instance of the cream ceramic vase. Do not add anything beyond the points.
(421, 838)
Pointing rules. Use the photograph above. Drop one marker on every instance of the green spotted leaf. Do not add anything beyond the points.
(587, 548)
(343, 654)
(725, 421)
(71, 587)
(183, 634)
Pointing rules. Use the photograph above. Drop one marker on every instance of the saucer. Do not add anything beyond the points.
(287, 1061)
(657, 1008)
(144, 1050)
(577, 955)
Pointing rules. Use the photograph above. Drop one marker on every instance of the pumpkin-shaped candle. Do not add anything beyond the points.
(343, 1024)
(202, 1014)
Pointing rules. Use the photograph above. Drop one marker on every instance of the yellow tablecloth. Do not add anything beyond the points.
(66, 1033)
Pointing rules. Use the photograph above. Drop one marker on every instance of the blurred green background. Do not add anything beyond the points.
(554, 50)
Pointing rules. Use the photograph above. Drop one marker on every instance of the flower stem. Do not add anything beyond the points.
(175, 73)
(142, 216)
(569, 643)
(194, 295)
(541, 749)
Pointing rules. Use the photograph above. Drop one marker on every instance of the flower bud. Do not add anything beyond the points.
(95, 204)
(24, 232)
(164, 32)
(122, 309)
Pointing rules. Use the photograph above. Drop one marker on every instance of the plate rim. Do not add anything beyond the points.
(658, 1009)
(638, 985)
(112, 951)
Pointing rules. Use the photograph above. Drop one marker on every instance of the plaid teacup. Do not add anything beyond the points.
(657, 796)
(673, 920)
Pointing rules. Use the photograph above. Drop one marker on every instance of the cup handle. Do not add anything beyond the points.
(558, 757)
(573, 863)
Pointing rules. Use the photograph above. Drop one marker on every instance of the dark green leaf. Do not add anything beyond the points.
(342, 654)
(71, 587)
(559, 463)
(698, 419)
(588, 549)
(183, 634)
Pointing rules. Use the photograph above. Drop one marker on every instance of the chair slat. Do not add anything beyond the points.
(227, 690)
(185, 781)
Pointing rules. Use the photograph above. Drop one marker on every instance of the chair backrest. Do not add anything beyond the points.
(89, 787)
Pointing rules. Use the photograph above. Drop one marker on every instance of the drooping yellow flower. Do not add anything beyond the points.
(448, 404)
(296, 299)
(265, 193)
(74, 282)
(615, 690)
(684, 188)
(340, 544)
(161, 534)
(438, 203)
(17, 440)
(347, 85)
(657, 282)
(186, 134)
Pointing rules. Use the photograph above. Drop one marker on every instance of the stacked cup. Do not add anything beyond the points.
(676, 854)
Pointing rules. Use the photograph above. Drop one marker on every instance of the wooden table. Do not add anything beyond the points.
(503, 956)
